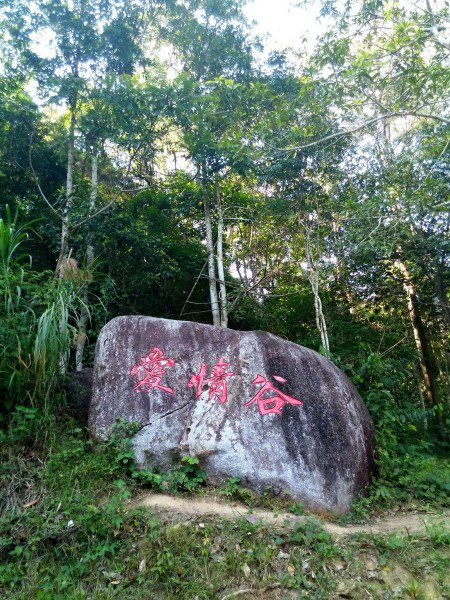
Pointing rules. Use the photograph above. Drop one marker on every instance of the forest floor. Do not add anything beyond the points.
(77, 522)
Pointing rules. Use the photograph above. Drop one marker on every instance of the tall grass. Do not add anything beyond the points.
(37, 317)
(11, 270)
(54, 337)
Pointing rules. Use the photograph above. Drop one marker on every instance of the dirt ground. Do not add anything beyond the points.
(197, 507)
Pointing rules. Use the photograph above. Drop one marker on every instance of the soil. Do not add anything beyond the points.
(207, 507)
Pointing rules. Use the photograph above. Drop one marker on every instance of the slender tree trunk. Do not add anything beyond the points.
(84, 316)
(211, 262)
(64, 247)
(313, 276)
(64, 252)
(220, 267)
(422, 401)
(443, 317)
(442, 305)
(422, 346)
(320, 317)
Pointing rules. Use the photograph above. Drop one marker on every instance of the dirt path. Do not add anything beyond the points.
(206, 507)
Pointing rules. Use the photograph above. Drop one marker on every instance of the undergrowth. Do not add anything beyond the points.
(67, 531)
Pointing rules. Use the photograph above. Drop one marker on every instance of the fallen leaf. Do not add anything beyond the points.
(142, 565)
(338, 565)
(30, 503)
(246, 569)
(112, 575)
(344, 589)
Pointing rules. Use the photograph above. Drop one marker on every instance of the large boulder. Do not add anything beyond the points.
(248, 404)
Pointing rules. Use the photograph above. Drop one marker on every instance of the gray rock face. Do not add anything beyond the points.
(240, 415)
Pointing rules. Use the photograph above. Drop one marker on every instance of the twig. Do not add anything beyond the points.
(250, 591)
(192, 290)
(392, 347)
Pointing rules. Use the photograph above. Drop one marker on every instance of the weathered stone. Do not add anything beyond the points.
(320, 452)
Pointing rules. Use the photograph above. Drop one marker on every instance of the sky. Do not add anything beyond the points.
(285, 23)
(279, 23)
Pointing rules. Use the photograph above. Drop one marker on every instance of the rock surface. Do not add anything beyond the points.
(320, 452)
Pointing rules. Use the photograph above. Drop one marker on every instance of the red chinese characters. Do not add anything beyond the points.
(149, 371)
(218, 389)
(271, 404)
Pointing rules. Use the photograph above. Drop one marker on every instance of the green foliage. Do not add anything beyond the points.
(11, 265)
(155, 242)
(231, 489)
(297, 508)
(36, 332)
(67, 530)
(407, 469)
(186, 475)
(439, 534)
(183, 475)
(72, 533)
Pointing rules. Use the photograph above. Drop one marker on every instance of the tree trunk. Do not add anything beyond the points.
(320, 317)
(84, 316)
(442, 305)
(313, 276)
(211, 262)
(64, 247)
(423, 350)
(443, 316)
(220, 267)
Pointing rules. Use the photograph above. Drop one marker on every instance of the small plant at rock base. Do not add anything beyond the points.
(231, 487)
(233, 490)
(119, 443)
(185, 476)
(439, 533)
(297, 509)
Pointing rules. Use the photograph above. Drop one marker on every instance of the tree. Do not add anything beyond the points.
(383, 69)
(215, 51)
(86, 45)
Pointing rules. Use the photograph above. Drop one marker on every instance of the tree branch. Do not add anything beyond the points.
(36, 180)
(434, 30)
(339, 134)
(114, 200)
